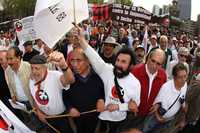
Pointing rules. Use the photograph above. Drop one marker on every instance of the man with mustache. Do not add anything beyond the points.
(120, 85)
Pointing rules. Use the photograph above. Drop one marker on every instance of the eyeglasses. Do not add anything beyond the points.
(182, 55)
(76, 60)
(155, 62)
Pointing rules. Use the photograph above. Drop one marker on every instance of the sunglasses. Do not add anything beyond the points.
(182, 55)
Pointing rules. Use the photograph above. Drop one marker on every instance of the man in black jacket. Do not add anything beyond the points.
(84, 93)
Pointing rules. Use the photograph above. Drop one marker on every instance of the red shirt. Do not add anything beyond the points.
(140, 73)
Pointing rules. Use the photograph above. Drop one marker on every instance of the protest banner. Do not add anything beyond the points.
(24, 29)
(130, 14)
(53, 18)
(100, 12)
(11, 124)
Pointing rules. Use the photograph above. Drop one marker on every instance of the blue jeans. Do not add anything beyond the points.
(151, 123)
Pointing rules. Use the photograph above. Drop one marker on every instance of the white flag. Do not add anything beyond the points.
(145, 39)
(14, 124)
(24, 29)
(53, 18)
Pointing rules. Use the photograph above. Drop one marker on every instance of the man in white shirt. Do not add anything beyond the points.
(17, 77)
(46, 88)
(120, 86)
(170, 99)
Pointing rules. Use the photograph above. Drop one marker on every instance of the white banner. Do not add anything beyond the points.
(53, 18)
(14, 124)
(24, 30)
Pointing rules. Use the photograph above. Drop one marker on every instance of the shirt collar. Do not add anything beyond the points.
(148, 73)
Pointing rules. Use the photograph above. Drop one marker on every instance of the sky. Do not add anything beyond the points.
(148, 4)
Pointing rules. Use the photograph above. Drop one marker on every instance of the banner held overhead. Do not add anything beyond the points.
(54, 19)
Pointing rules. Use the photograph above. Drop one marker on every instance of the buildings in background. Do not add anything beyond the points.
(189, 26)
(185, 8)
(180, 16)
(156, 10)
(198, 24)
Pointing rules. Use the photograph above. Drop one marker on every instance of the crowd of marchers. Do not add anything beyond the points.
(104, 78)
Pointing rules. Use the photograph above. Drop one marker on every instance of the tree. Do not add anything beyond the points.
(18, 8)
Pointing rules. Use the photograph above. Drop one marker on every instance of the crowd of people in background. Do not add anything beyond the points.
(104, 78)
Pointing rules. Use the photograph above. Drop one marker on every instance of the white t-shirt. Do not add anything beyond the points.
(49, 100)
(130, 85)
(21, 96)
(167, 95)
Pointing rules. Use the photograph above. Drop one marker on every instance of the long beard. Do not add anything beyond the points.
(120, 74)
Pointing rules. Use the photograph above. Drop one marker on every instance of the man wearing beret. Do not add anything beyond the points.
(46, 88)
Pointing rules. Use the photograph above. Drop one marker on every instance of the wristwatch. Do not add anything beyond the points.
(65, 69)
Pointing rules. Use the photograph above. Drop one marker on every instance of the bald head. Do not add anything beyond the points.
(79, 62)
(79, 51)
(155, 60)
(158, 53)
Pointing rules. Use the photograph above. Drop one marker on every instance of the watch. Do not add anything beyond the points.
(65, 69)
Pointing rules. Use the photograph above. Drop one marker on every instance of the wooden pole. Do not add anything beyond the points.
(57, 131)
(67, 115)
(74, 9)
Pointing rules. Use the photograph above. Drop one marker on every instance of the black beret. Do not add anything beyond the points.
(38, 59)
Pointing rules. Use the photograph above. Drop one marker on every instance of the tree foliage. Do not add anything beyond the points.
(18, 8)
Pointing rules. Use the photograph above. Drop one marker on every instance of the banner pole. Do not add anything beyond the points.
(74, 9)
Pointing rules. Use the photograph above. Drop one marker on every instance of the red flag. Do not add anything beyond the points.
(3, 124)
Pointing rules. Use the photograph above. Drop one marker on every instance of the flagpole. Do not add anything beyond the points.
(74, 8)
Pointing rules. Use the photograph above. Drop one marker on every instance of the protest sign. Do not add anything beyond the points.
(100, 12)
(53, 18)
(24, 29)
(130, 14)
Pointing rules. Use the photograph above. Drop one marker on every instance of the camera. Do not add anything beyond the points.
(161, 111)
(181, 100)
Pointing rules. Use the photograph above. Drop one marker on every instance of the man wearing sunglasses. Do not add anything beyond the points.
(151, 76)
(183, 54)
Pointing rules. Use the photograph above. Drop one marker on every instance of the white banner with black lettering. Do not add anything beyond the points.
(53, 18)
(24, 29)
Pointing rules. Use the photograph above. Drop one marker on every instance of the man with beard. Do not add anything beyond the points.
(120, 85)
